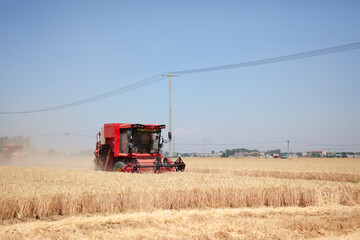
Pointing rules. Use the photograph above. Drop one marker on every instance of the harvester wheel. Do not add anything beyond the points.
(119, 166)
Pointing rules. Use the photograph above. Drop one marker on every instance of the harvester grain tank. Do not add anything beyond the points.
(124, 147)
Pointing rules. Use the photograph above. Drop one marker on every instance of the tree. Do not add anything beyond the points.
(5, 140)
(276, 151)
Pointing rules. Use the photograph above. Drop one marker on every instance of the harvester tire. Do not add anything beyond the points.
(119, 166)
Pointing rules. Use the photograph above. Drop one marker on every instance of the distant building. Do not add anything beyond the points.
(317, 153)
(242, 154)
(331, 154)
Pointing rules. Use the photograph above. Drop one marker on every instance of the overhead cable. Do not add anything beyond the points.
(314, 53)
(128, 88)
(327, 144)
(161, 76)
(61, 134)
(229, 144)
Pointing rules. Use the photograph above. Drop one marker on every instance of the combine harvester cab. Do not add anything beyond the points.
(123, 147)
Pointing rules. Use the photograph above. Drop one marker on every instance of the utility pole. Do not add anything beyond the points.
(288, 148)
(206, 146)
(170, 111)
(174, 145)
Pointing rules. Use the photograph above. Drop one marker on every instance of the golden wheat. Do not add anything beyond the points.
(325, 176)
(326, 165)
(315, 198)
(244, 223)
(38, 193)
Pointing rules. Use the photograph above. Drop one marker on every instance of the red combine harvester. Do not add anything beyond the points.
(10, 151)
(123, 147)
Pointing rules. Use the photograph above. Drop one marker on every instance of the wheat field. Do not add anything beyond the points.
(235, 223)
(215, 198)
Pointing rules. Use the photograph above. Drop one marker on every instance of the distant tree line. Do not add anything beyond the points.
(230, 152)
(5, 140)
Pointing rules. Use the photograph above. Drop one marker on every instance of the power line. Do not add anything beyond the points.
(314, 53)
(118, 91)
(230, 144)
(353, 147)
(61, 134)
(274, 142)
(327, 144)
(160, 77)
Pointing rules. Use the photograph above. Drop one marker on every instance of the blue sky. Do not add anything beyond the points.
(56, 52)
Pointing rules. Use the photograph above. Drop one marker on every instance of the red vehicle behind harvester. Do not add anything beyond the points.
(123, 147)
(10, 151)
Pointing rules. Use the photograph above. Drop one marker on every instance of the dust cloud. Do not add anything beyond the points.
(43, 160)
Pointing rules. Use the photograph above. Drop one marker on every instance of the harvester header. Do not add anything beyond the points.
(132, 148)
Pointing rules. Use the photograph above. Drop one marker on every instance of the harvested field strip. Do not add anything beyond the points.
(328, 165)
(38, 193)
(245, 223)
(324, 176)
